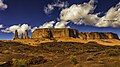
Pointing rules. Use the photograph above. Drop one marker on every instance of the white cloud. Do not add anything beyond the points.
(1, 26)
(112, 18)
(20, 28)
(79, 14)
(82, 14)
(2, 5)
(61, 24)
(34, 28)
(45, 25)
(48, 24)
(50, 7)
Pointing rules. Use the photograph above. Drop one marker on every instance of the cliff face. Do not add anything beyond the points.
(56, 33)
(98, 35)
(67, 32)
(41, 33)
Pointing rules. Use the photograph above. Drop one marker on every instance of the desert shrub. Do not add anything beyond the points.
(113, 53)
(10, 43)
(5, 52)
(73, 59)
(19, 62)
(37, 60)
(6, 64)
(99, 48)
(90, 59)
(55, 40)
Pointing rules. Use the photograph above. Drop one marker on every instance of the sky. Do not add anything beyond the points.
(83, 15)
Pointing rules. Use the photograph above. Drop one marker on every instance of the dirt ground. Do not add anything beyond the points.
(59, 54)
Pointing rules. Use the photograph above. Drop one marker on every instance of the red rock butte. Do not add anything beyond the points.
(55, 33)
(67, 32)
(66, 35)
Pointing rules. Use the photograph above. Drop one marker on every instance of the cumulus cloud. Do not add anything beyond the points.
(50, 7)
(2, 5)
(20, 28)
(1, 26)
(79, 14)
(75, 12)
(48, 25)
(45, 25)
(83, 14)
(112, 18)
(61, 24)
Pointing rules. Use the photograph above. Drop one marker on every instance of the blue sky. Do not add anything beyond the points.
(32, 12)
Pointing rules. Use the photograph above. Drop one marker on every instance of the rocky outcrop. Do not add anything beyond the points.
(98, 35)
(22, 36)
(15, 35)
(51, 33)
(55, 32)
(26, 35)
(111, 35)
(42, 33)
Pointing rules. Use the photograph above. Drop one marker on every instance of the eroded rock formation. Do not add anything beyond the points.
(56, 33)
(15, 35)
(98, 35)
(25, 36)
(67, 32)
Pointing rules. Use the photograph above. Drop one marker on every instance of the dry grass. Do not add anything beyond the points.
(60, 54)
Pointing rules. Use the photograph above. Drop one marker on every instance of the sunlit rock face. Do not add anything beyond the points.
(98, 35)
(55, 32)
(68, 32)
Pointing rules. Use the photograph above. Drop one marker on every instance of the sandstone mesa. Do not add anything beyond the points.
(44, 35)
